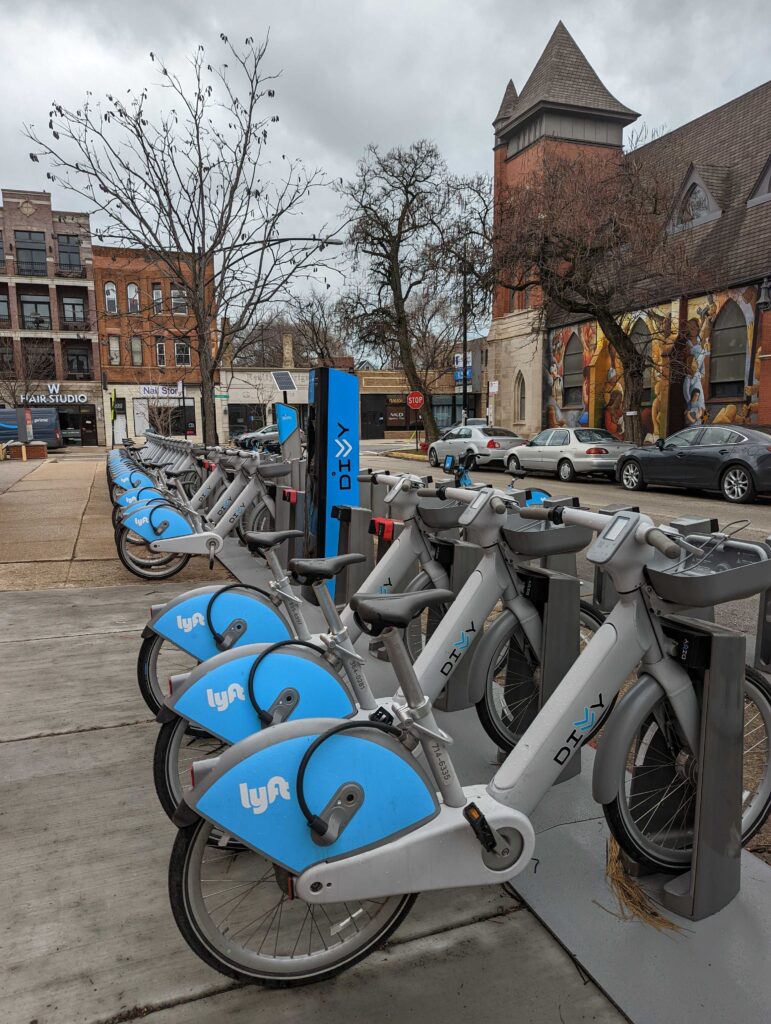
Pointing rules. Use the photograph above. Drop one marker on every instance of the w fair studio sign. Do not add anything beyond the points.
(54, 396)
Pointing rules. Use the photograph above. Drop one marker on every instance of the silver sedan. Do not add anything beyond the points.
(570, 452)
(486, 444)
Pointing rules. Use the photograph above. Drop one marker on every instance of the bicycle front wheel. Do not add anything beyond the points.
(236, 911)
(652, 817)
(512, 695)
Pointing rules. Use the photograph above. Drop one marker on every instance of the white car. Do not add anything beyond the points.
(570, 452)
(487, 444)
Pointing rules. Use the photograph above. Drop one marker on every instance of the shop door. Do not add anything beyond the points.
(88, 433)
(373, 416)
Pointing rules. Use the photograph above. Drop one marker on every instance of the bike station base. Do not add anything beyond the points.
(715, 970)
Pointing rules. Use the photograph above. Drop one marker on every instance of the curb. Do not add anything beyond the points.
(410, 456)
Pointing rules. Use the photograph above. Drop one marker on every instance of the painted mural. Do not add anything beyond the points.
(687, 358)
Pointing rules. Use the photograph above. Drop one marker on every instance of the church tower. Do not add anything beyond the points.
(562, 104)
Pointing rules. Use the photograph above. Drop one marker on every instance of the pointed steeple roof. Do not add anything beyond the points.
(508, 103)
(563, 77)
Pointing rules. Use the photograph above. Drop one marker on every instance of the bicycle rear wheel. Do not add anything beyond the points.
(158, 660)
(652, 816)
(179, 744)
(142, 562)
(235, 910)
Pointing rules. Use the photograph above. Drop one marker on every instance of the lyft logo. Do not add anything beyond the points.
(222, 699)
(260, 799)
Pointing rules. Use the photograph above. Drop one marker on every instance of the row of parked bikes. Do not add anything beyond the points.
(311, 810)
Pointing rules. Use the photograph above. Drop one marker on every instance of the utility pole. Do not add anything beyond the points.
(464, 412)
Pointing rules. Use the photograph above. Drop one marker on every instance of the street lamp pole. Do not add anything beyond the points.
(464, 413)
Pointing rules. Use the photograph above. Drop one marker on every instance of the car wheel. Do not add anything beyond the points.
(512, 464)
(631, 476)
(737, 485)
(565, 471)
(433, 458)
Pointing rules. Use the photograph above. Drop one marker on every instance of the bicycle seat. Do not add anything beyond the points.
(311, 570)
(154, 465)
(273, 469)
(383, 610)
(269, 539)
(172, 473)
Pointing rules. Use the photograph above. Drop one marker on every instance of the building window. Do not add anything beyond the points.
(132, 297)
(73, 312)
(728, 353)
(173, 416)
(39, 361)
(512, 300)
(178, 299)
(573, 372)
(157, 297)
(135, 346)
(36, 312)
(5, 313)
(110, 297)
(78, 362)
(519, 398)
(641, 339)
(160, 352)
(761, 193)
(7, 363)
(182, 353)
(113, 348)
(69, 252)
(31, 253)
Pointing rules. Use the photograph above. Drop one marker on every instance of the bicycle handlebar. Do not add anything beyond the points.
(596, 521)
(659, 540)
(444, 493)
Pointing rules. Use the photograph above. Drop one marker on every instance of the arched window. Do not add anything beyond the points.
(520, 398)
(694, 206)
(641, 338)
(110, 297)
(132, 296)
(728, 353)
(573, 372)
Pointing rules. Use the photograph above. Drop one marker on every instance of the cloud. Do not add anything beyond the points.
(388, 72)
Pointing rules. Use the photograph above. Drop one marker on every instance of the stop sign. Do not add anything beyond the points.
(415, 400)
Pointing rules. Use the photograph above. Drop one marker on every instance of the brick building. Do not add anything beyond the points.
(566, 373)
(48, 336)
(145, 331)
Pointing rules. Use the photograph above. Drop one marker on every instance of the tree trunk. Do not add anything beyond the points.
(208, 411)
(633, 365)
(408, 363)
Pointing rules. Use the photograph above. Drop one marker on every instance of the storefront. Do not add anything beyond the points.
(133, 409)
(245, 397)
(80, 408)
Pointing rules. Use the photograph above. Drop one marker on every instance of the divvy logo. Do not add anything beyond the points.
(222, 699)
(189, 624)
(259, 799)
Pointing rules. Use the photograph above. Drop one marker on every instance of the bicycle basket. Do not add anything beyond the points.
(537, 538)
(720, 572)
(440, 515)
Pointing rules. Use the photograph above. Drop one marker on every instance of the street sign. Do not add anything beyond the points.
(222, 396)
(415, 400)
(284, 380)
(493, 387)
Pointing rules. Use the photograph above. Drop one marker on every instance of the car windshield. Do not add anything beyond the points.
(586, 436)
(497, 432)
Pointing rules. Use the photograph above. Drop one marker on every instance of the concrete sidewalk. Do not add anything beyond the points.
(84, 849)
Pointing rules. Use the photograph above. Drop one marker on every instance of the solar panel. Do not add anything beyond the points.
(284, 380)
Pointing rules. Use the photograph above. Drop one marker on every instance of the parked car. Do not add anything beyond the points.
(267, 433)
(570, 452)
(733, 460)
(486, 444)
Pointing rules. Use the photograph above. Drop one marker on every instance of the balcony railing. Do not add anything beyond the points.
(32, 268)
(71, 323)
(79, 375)
(70, 270)
(5, 323)
(36, 323)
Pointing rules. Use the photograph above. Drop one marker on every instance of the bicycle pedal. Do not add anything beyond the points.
(480, 827)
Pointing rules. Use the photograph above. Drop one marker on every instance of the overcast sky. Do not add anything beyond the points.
(360, 71)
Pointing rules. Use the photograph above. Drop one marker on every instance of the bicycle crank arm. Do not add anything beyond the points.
(194, 544)
(445, 853)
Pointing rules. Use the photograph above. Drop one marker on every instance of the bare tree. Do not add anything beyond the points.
(318, 326)
(192, 186)
(24, 372)
(593, 233)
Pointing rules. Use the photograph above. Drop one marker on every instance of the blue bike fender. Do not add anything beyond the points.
(137, 496)
(215, 694)
(157, 522)
(250, 791)
(183, 620)
(132, 479)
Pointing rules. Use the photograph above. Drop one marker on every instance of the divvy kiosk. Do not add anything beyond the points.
(333, 456)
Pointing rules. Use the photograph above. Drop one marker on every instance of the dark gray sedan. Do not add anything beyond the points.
(733, 460)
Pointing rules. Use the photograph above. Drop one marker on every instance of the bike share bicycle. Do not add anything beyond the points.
(304, 846)
(240, 692)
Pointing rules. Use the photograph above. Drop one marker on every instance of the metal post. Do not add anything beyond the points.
(464, 412)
